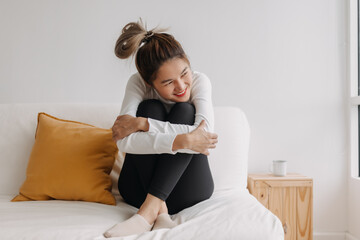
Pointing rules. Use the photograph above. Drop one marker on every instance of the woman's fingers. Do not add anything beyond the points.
(117, 133)
(114, 137)
(212, 136)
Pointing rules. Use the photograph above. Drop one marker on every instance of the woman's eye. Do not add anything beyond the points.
(184, 73)
(168, 83)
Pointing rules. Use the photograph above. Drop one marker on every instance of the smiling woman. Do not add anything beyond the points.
(165, 127)
(176, 88)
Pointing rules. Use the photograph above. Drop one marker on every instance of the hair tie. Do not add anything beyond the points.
(147, 36)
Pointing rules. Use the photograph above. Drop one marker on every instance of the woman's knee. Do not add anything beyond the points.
(182, 113)
(151, 108)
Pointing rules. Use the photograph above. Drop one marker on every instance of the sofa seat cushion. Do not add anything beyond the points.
(231, 214)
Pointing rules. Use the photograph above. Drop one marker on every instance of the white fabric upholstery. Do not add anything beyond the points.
(231, 213)
(228, 161)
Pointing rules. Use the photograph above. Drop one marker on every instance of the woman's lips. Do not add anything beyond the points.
(181, 94)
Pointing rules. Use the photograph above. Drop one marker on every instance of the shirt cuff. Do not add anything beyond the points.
(164, 143)
(152, 128)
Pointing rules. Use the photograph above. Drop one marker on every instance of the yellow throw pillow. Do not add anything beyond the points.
(69, 161)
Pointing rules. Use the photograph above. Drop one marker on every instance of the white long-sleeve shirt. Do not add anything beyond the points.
(161, 135)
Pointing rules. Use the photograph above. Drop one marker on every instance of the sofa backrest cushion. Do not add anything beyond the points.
(18, 123)
(229, 160)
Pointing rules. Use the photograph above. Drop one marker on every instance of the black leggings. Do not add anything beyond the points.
(181, 180)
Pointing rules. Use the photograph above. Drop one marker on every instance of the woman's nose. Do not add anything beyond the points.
(180, 85)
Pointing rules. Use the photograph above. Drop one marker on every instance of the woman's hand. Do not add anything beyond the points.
(198, 140)
(201, 141)
(125, 125)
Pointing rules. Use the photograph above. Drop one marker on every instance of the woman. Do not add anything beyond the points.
(165, 127)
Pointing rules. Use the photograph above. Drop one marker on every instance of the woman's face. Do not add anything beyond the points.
(174, 80)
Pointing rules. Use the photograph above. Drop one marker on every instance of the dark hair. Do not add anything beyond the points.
(152, 48)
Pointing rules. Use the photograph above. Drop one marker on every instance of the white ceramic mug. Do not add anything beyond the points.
(278, 168)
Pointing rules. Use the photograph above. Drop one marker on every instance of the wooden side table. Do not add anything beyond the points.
(290, 198)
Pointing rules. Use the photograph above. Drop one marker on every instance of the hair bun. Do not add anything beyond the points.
(130, 38)
(133, 34)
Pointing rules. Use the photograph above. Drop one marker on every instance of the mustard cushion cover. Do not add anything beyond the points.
(69, 161)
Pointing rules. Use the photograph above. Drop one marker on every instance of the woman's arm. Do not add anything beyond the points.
(134, 94)
(127, 122)
(198, 141)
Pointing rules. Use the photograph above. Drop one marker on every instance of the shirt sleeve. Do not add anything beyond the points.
(147, 143)
(134, 94)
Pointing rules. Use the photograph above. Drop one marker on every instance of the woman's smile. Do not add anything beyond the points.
(181, 94)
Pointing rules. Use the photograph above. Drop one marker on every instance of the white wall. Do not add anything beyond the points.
(282, 61)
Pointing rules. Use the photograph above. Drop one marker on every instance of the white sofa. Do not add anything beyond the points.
(231, 213)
